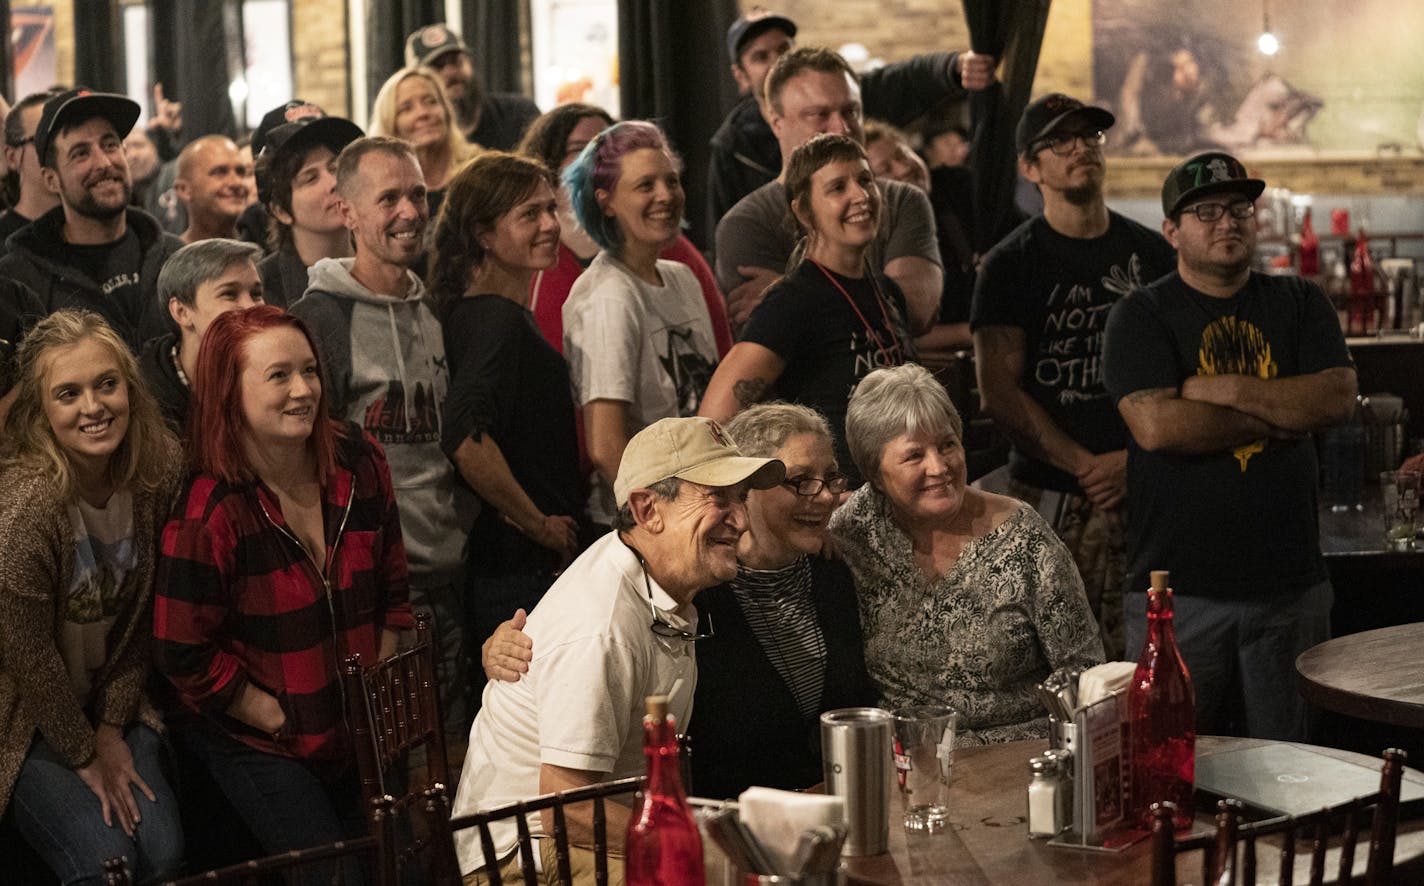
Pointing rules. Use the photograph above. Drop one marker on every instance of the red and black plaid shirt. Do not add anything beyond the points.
(239, 600)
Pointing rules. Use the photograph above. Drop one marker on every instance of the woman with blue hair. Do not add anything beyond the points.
(637, 334)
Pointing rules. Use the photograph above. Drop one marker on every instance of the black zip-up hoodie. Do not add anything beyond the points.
(38, 259)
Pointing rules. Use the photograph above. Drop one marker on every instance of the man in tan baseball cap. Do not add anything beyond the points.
(617, 626)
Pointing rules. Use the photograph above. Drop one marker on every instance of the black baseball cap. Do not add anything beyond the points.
(1206, 174)
(753, 24)
(429, 43)
(1045, 115)
(296, 126)
(78, 105)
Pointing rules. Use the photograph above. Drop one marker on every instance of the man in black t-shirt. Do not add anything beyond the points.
(495, 120)
(1221, 375)
(1040, 306)
(93, 251)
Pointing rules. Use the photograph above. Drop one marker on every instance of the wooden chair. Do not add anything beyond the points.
(376, 853)
(1229, 855)
(394, 707)
(445, 867)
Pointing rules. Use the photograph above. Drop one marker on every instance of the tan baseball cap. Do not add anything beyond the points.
(693, 449)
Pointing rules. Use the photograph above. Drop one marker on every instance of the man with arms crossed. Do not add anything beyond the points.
(1222, 374)
(617, 626)
(1040, 306)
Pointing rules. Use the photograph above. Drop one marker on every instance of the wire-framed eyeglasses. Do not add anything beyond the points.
(661, 627)
(809, 486)
(1062, 143)
(1208, 213)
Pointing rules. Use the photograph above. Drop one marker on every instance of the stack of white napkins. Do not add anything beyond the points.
(1100, 681)
(778, 818)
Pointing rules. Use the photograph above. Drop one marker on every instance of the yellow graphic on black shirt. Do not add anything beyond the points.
(1235, 347)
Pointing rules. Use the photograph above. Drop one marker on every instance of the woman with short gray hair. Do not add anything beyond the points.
(967, 598)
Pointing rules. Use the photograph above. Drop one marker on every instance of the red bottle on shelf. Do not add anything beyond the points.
(1362, 289)
(1309, 248)
(663, 845)
(1162, 707)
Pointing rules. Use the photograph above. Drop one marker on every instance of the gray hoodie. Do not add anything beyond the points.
(384, 360)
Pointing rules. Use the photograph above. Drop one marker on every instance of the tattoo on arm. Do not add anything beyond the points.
(749, 391)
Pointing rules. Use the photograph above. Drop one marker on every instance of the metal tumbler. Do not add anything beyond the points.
(856, 750)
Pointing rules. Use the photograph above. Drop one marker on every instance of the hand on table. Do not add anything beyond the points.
(110, 776)
(508, 651)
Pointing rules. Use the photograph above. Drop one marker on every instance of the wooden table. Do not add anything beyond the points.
(987, 842)
(1374, 675)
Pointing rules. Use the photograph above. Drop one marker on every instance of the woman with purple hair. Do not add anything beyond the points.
(637, 334)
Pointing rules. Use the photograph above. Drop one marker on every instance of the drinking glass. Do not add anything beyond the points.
(1400, 490)
(924, 752)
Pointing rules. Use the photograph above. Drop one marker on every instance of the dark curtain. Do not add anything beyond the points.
(193, 44)
(673, 70)
(1013, 32)
(388, 23)
(491, 30)
(96, 46)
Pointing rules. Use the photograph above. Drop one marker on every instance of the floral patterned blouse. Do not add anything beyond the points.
(1010, 611)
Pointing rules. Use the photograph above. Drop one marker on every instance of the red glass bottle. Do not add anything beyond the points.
(1362, 289)
(1162, 707)
(1309, 248)
(663, 846)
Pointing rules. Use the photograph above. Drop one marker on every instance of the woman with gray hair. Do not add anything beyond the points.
(967, 598)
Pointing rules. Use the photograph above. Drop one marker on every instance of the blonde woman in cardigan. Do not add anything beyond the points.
(87, 475)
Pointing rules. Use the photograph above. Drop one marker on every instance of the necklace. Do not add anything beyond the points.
(890, 355)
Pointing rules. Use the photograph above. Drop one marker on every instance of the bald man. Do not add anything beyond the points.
(212, 184)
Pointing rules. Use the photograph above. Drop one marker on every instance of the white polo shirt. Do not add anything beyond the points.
(581, 704)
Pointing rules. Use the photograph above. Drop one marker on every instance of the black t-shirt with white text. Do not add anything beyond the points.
(115, 268)
(1059, 290)
(829, 345)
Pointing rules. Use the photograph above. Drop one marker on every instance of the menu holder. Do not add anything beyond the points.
(1102, 774)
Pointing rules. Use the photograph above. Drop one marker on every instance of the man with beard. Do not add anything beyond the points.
(94, 250)
(1040, 306)
(212, 184)
(489, 119)
(386, 371)
(295, 146)
(1222, 374)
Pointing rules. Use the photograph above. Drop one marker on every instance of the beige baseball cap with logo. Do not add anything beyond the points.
(693, 449)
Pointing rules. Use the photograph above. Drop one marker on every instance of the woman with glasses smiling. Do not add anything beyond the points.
(778, 644)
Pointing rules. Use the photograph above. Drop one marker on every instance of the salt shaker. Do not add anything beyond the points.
(1045, 806)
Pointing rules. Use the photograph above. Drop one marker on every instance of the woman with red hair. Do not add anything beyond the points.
(283, 557)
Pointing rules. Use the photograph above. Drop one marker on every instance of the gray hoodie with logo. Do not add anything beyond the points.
(384, 362)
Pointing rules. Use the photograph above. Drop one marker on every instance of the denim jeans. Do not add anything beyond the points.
(283, 801)
(1241, 655)
(58, 815)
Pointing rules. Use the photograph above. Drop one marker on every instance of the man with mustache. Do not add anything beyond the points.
(94, 250)
(1039, 309)
(1222, 374)
(386, 371)
(617, 626)
(295, 146)
(490, 119)
(212, 184)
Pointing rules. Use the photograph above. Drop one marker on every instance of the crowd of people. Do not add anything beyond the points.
(265, 400)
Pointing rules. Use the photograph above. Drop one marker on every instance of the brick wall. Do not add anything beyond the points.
(320, 71)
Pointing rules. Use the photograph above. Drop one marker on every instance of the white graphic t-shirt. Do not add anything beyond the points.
(103, 555)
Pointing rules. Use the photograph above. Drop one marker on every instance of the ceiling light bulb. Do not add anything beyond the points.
(1268, 44)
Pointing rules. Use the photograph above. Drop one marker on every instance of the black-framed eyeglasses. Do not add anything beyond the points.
(660, 625)
(809, 486)
(1207, 213)
(27, 140)
(1061, 143)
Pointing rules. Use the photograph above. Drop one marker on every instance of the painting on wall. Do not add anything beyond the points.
(1344, 79)
(32, 48)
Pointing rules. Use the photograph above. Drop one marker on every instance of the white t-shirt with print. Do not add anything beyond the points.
(103, 555)
(649, 346)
